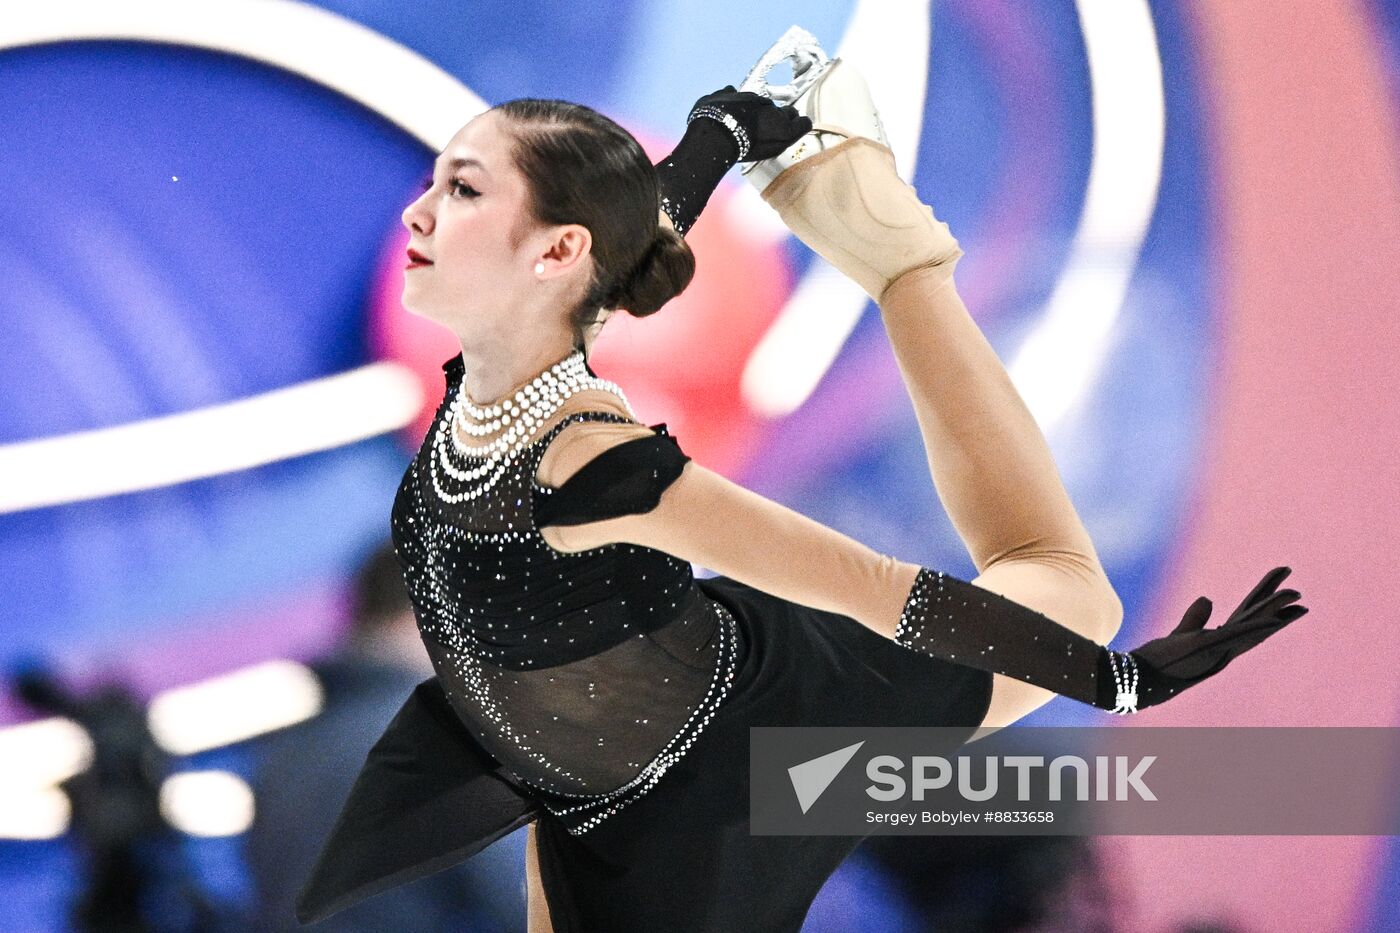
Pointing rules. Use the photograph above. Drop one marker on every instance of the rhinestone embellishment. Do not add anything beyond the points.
(488, 592)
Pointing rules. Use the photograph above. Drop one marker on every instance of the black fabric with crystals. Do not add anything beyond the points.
(691, 173)
(623, 480)
(956, 620)
(959, 621)
(586, 675)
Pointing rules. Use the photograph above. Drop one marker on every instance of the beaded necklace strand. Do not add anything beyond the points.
(530, 406)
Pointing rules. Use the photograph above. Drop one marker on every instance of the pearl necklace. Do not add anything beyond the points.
(531, 405)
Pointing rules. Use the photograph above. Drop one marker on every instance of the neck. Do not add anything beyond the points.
(491, 377)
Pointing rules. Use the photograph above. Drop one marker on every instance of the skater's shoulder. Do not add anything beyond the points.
(579, 440)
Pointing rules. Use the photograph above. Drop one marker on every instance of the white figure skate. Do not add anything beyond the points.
(829, 91)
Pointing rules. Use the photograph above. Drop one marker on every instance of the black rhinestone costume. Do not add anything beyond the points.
(608, 695)
(586, 675)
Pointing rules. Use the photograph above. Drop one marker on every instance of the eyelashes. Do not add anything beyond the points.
(456, 185)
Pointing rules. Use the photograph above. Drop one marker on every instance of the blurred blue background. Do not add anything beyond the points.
(182, 228)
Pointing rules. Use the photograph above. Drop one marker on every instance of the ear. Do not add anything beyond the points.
(570, 247)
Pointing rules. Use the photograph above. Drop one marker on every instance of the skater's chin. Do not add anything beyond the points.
(415, 305)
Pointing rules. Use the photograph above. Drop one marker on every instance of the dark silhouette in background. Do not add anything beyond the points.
(1000, 884)
(989, 883)
(134, 877)
(305, 772)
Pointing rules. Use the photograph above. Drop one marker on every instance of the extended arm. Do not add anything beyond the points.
(705, 518)
(992, 469)
(709, 520)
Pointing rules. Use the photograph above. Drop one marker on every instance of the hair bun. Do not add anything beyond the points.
(581, 167)
(662, 272)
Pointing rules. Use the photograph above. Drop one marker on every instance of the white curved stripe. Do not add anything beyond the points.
(371, 69)
(390, 79)
(803, 341)
(889, 43)
(1062, 356)
(301, 419)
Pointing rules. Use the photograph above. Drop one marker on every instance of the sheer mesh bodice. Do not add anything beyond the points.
(584, 674)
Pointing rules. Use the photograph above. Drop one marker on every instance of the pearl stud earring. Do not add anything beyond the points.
(539, 268)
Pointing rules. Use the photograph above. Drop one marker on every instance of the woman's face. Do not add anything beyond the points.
(471, 223)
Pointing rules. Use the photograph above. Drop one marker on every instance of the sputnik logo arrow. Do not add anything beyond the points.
(810, 779)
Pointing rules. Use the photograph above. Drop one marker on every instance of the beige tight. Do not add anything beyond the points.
(990, 464)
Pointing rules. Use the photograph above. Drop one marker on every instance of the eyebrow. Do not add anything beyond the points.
(459, 162)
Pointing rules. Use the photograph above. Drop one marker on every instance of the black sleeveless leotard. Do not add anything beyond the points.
(584, 674)
(607, 696)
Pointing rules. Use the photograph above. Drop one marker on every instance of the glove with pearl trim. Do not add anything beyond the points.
(724, 128)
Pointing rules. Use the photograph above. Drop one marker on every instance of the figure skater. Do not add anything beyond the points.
(587, 683)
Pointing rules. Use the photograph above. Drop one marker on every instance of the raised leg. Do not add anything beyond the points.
(989, 461)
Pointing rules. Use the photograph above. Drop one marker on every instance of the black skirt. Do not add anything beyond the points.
(681, 857)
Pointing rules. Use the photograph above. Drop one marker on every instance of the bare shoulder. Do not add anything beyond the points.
(579, 442)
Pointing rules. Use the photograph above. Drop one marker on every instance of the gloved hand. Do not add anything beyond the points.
(769, 127)
(691, 173)
(1191, 653)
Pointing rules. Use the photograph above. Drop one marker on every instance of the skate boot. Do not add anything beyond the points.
(837, 188)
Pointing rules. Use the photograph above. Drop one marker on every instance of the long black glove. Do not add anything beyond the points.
(691, 173)
(958, 621)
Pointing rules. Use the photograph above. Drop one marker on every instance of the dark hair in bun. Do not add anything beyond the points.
(583, 168)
